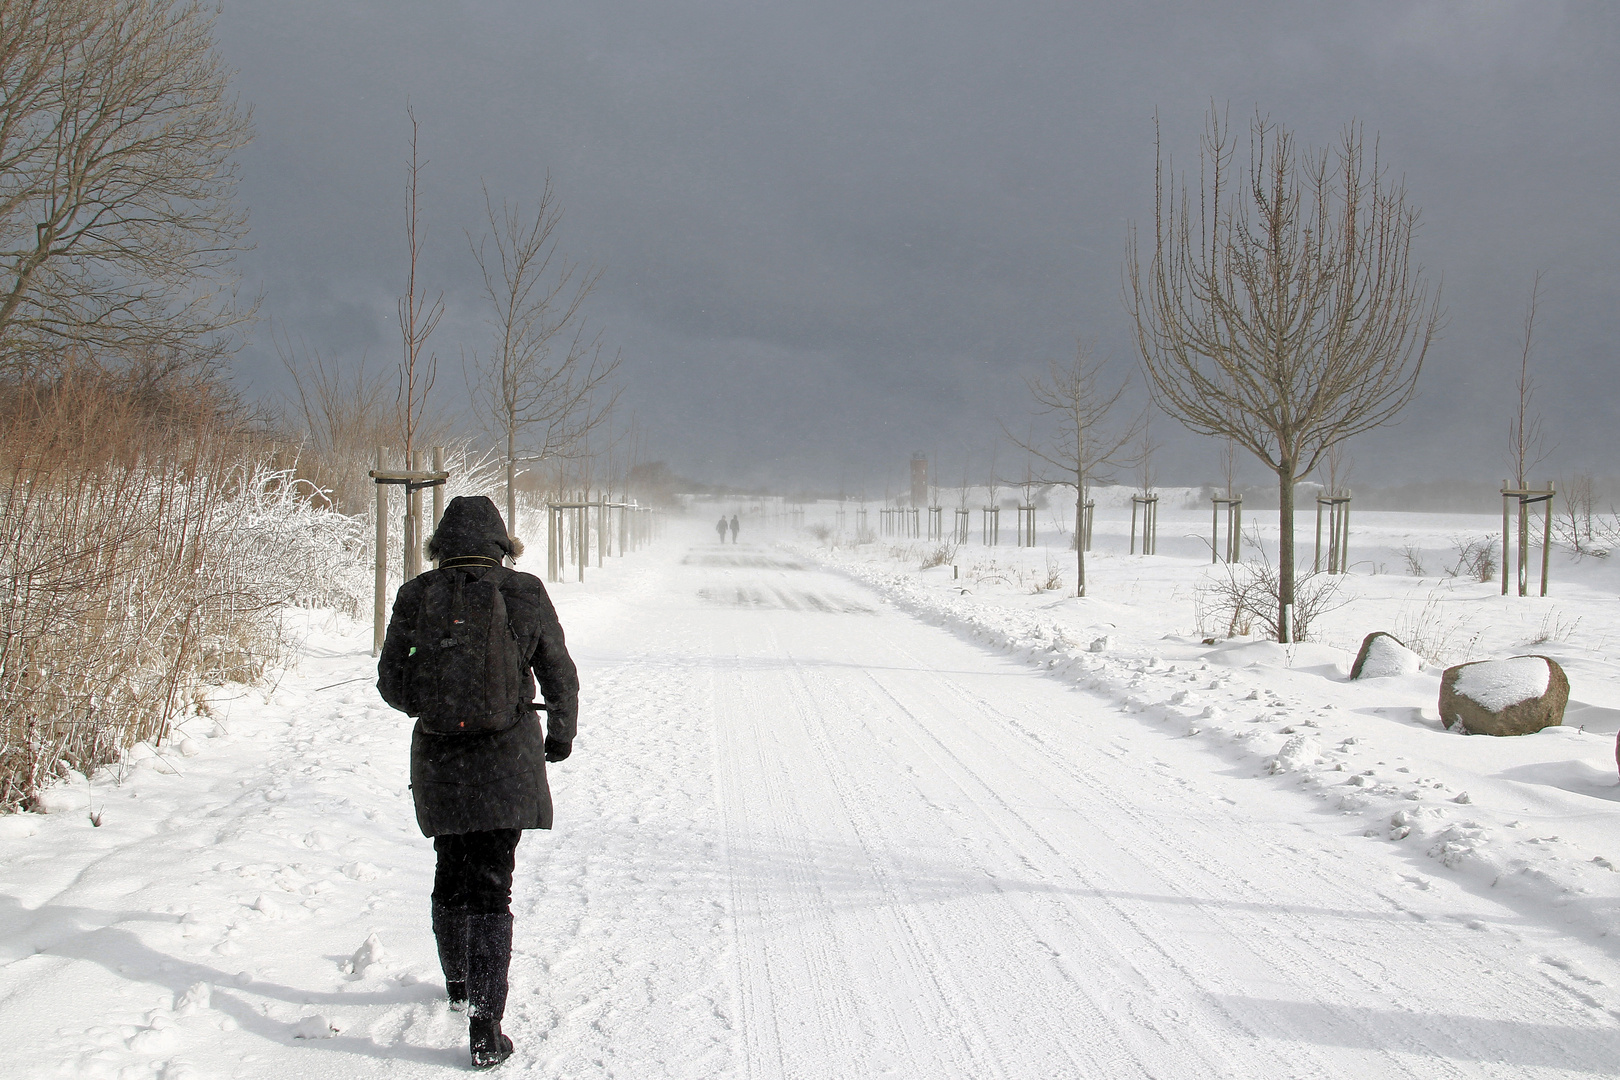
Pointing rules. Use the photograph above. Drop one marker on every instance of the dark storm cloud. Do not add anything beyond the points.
(835, 233)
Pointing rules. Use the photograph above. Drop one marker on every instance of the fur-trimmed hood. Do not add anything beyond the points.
(472, 525)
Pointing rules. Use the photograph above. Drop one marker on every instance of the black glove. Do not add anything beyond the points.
(557, 750)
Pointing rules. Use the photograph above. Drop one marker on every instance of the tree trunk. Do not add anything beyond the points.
(1285, 552)
(511, 482)
(1080, 540)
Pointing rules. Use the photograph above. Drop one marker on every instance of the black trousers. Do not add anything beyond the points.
(475, 870)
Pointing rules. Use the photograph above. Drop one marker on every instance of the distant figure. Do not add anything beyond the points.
(721, 528)
(733, 528)
(463, 649)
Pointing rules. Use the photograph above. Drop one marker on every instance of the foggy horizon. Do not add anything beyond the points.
(833, 235)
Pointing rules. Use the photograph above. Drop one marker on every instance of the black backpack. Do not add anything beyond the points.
(468, 672)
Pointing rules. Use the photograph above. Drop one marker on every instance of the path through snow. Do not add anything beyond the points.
(804, 835)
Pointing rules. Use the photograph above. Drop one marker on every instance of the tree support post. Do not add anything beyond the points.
(582, 537)
(601, 529)
(1527, 498)
(1149, 506)
(413, 480)
(1338, 521)
(1026, 526)
(438, 491)
(1234, 528)
(379, 606)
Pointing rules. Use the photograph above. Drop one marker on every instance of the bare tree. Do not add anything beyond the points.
(343, 416)
(1147, 475)
(117, 184)
(545, 384)
(418, 316)
(1080, 447)
(1336, 460)
(1229, 460)
(1527, 442)
(992, 484)
(1281, 307)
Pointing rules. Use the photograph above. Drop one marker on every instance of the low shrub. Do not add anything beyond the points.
(1239, 597)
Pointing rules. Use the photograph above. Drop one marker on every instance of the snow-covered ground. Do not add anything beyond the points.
(832, 815)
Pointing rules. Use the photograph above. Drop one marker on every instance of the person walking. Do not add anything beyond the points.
(733, 528)
(464, 646)
(721, 528)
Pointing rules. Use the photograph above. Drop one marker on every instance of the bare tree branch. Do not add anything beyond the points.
(117, 180)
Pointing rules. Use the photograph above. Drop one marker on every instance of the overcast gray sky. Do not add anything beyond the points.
(838, 232)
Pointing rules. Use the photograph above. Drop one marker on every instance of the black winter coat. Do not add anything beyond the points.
(495, 780)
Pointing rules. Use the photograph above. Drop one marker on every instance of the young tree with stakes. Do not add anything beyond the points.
(1284, 310)
(1079, 446)
(1527, 442)
(545, 384)
(418, 316)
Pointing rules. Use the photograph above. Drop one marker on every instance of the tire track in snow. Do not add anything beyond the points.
(1295, 938)
(1286, 944)
(905, 938)
(790, 962)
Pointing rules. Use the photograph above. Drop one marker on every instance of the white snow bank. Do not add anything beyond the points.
(1496, 684)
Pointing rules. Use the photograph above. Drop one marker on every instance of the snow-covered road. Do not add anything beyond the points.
(804, 835)
(942, 864)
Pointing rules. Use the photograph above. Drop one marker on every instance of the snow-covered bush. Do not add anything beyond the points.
(144, 557)
(131, 585)
(1476, 557)
(1237, 597)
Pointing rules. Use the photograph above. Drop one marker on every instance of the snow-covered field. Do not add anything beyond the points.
(830, 815)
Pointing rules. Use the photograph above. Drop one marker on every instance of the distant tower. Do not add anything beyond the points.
(919, 479)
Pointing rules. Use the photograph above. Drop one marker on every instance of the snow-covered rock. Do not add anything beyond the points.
(198, 998)
(1517, 696)
(1298, 753)
(314, 1027)
(369, 953)
(1382, 656)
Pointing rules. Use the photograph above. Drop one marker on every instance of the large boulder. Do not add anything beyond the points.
(1518, 696)
(1383, 656)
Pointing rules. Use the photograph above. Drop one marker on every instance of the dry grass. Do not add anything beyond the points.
(144, 553)
(1434, 634)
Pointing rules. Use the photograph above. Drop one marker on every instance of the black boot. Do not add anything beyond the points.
(450, 931)
(489, 952)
